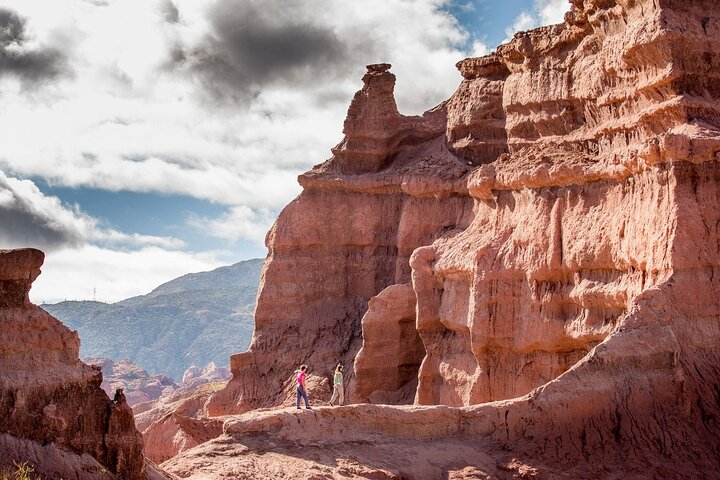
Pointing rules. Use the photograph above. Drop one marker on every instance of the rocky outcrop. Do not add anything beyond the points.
(53, 462)
(142, 390)
(179, 421)
(475, 128)
(559, 235)
(48, 396)
(137, 385)
(578, 220)
(196, 376)
(357, 441)
(320, 275)
(386, 367)
(374, 128)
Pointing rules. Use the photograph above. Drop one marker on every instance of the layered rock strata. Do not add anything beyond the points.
(48, 396)
(476, 119)
(559, 234)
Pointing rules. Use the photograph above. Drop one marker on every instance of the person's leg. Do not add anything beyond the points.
(305, 397)
(341, 391)
(299, 394)
(334, 395)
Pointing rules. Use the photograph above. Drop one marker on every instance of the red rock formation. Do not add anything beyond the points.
(177, 422)
(320, 275)
(386, 367)
(375, 130)
(560, 233)
(137, 385)
(476, 119)
(47, 395)
(176, 433)
(551, 262)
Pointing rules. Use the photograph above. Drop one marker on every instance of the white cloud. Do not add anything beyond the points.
(240, 222)
(73, 274)
(82, 254)
(524, 21)
(479, 49)
(544, 12)
(32, 219)
(551, 11)
(464, 6)
(123, 120)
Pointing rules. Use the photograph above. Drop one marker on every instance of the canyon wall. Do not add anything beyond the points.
(551, 231)
(579, 218)
(54, 412)
(343, 240)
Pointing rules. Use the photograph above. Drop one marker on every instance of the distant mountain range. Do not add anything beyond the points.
(192, 320)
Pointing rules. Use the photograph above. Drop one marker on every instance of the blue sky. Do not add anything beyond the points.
(130, 158)
(150, 213)
(487, 20)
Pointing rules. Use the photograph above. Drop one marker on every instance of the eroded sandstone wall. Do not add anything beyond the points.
(536, 281)
(47, 395)
(318, 279)
(578, 220)
(533, 223)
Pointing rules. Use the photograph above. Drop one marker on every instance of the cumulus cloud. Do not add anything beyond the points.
(170, 11)
(524, 21)
(479, 49)
(83, 255)
(255, 43)
(127, 122)
(551, 11)
(465, 6)
(20, 58)
(32, 219)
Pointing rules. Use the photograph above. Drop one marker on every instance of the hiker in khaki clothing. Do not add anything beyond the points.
(338, 390)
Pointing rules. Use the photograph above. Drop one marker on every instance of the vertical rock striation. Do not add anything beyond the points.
(578, 219)
(47, 395)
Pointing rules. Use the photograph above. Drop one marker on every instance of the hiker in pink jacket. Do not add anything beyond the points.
(301, 388)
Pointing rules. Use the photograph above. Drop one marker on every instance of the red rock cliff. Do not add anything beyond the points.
(551, 232)
(47, 395)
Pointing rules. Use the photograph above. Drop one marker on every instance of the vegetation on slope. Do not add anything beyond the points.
(194, 319)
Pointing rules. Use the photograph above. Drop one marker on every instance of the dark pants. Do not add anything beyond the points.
(301, 393)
